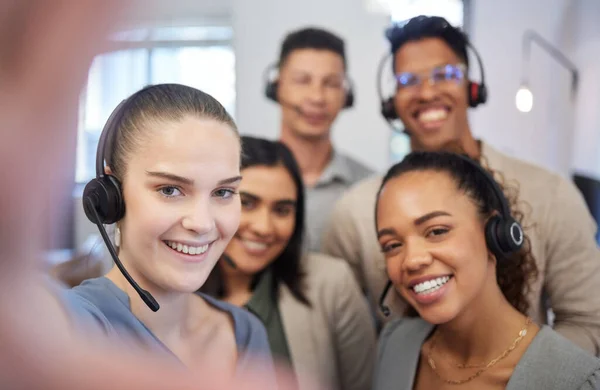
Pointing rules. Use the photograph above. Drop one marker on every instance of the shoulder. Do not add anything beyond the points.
(359, 196)
(331, 286)
(403, 329)
(399, 347)
(359, 170)
(251, 340)
(527, 174)
(250, 333)
(320, 268)
(543, 189)
(564, 364)
(91, 305)
(366, 188)
(408, 332)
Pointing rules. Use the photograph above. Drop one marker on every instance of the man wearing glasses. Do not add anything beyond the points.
(433, 93)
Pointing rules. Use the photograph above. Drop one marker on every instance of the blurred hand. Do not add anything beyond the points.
(46, 47)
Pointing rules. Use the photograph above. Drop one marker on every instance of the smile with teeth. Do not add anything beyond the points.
(432, 115)
(430, 286)
(254, 245)
(187, 249)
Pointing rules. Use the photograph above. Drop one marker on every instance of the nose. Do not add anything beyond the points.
(427, 89)
(261, 223)
(417, 256)
(317, 93)
(199, 217)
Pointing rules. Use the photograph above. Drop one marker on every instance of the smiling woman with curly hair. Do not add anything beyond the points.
(457, 255)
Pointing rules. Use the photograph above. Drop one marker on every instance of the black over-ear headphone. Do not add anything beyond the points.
(272, 84)
(477, 92)
(103, 201)
(503, 234)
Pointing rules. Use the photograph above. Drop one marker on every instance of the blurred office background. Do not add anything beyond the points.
(224, 46)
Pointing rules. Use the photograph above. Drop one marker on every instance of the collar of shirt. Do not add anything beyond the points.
(338, 169)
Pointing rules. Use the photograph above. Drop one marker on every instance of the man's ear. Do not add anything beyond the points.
(107, 170)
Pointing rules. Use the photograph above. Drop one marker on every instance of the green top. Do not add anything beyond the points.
(263, 304)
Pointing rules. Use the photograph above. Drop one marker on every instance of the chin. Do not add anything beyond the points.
(435, 310)
(432, 142)
(188, 284)
(435, 316)
(313, 133)
(249, 266)
(188, 280)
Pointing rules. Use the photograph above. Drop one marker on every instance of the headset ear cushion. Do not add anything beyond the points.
(491, 236)
(473, 94)
(503, 237)
(483, 95)
(105, 193)
(271, 90)
(388, 110)
(477, 94)
(349, 99)
(510, 235)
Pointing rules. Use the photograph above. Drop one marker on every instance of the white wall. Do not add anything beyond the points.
(586, 53)
(557, 131)
(260, 26)
(557, 134)
(560, 134)
(175, 12)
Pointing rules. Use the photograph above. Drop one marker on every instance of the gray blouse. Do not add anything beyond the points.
(551, 362)
(100, 305)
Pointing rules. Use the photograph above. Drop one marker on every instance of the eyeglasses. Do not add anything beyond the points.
(448, 72)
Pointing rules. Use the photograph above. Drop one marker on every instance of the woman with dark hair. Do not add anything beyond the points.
(316, 317)
(460, 260)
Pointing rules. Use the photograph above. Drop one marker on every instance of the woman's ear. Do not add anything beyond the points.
(492, 258)
(107, 170)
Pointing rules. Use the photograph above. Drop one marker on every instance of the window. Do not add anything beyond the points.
(454, 11)
(201, 57)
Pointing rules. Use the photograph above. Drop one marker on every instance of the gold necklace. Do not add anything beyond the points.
(483, 367)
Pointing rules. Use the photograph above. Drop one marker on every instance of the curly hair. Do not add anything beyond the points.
(515, 273)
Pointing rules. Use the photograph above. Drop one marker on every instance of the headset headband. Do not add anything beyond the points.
(505, 208)
(106, 137)
(478, 58)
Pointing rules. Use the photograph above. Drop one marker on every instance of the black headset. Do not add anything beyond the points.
(272, 85)
(503, 234)
(103, 201)
(477, 92)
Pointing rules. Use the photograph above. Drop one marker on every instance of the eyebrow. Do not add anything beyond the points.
(419, 221)
(185, 180)
(431, 215)
(282, 202)
(385, 232)
(171, 176)
(231, 180)
(306, 72)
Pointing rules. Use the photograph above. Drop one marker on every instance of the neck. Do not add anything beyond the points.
(312, 154)
(465, 144)
(171, 320)
(480, 334)
(237, 285)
